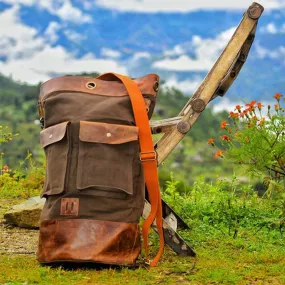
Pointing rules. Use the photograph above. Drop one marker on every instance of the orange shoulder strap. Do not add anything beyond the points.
(148, 158)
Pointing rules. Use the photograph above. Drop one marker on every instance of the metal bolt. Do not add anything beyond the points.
(198, 105)
(108, 135)
(183, 127)
(255, 11)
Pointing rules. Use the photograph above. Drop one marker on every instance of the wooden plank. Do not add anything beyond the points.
(208, 87)
(164, 126)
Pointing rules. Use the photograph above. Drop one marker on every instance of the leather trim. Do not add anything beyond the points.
(53, 134)
(103, 87)
(88, 241)
(107, 133)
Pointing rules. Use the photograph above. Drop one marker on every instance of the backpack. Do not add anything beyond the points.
(100, 160)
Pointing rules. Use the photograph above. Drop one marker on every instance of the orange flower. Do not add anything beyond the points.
(259, 105)
(249, 109)
(225, 138)
(276, 106)
(234, 115)
(223, 124)
(238, 107)
(251, 104)
(277, 96)
(219, 153)
(5, 168)
(262, 120)
(211, 141)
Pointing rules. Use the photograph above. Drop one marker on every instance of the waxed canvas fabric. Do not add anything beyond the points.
(93, 172)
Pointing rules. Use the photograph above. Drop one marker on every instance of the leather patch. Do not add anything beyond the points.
(88, 240)
(53, 134)
(107, 133)
(69, 206)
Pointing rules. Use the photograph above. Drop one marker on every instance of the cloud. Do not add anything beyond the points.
(61, 8)
(55, 60)
(277, 54)
(74, 36)
(67, 12)
(141, 54)
(225, 104)
(17, 39)
(107, 52)
(153, 6)
(206, 52)
(177, 50)
(23, 2)
(187, 86)
(271, 28)
(30, 58)
(51, 32)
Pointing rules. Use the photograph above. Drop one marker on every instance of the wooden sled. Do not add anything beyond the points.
(216, 83)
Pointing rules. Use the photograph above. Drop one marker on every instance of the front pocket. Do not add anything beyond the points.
(54, 141)
(106, 157)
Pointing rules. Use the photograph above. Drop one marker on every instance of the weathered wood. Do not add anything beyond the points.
(216, 83)
(164, 126)
(210, 84)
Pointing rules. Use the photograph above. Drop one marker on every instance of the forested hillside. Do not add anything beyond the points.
(18, 111)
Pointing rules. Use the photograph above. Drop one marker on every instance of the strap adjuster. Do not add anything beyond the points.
(148, 156)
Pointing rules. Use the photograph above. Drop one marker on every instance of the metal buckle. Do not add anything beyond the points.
(148, 159)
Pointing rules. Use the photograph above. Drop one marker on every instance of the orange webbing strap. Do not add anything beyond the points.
(148, 158)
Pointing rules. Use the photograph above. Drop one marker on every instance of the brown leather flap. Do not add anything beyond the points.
(148, 85)
(53, 134)
(107, 133)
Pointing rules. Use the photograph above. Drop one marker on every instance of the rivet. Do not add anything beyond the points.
(108, 135)
(183, 127)
(198, 105)
(50, 136)
(156, 86)
(255, 11)
(91, 85)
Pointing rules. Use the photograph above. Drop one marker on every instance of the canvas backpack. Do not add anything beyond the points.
(100, 159)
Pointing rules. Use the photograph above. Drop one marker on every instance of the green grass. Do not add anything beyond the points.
(255, 256)
(249, 259)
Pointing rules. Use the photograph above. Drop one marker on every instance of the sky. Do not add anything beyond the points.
(52, 42)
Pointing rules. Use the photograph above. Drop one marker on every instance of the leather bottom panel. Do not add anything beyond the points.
(88, 240)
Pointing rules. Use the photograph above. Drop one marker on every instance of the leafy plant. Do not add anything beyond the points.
(5, 137)
(228, 206)
(255, 139)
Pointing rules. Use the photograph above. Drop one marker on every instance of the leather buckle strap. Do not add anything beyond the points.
(148, 156)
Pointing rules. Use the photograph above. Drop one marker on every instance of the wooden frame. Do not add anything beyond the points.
(216, 83)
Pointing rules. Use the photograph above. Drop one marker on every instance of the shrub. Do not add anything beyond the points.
(255, 140)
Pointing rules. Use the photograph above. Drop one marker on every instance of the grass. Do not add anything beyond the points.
(218, 262)
(248, 259)
(255, 256)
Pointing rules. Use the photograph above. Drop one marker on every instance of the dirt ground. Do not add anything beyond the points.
(15, 240)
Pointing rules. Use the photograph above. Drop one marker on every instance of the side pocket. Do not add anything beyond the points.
(106, 156)
(54, 141)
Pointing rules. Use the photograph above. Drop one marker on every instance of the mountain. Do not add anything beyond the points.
(42, 39)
